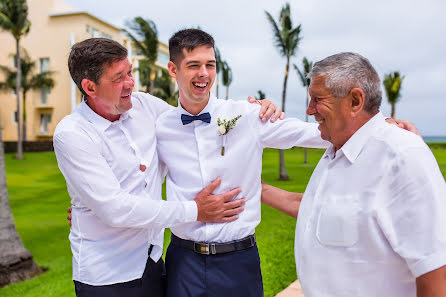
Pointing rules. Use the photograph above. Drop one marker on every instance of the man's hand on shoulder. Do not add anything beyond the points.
(267, 109)
(404, 124)
(218, 208)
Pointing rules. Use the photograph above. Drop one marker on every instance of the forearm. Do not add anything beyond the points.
(284, 201)
(432, 284)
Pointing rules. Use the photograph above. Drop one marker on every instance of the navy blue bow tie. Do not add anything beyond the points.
(187, 119)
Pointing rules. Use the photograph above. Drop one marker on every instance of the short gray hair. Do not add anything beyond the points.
(345, 71)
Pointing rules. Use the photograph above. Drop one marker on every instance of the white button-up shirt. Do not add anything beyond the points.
(117, 208)
(372, 218)
(192, 153)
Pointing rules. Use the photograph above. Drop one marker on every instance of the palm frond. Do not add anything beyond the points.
(277, 35)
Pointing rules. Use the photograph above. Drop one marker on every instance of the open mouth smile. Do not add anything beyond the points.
(200, 85)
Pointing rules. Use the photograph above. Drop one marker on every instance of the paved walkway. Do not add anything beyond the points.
(293, 290)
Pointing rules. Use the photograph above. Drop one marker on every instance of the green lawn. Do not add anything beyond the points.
(39, 200)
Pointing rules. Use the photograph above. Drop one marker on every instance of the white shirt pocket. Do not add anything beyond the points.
(337, 224)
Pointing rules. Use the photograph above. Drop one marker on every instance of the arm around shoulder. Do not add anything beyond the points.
(284, 201)
(432, 284)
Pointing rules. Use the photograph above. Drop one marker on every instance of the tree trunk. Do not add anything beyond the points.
(306, 120)
(283, 175)
(17, 91)
(24, 117)
(227, 92)
(16, 263)
(393, 110)
(218, 84)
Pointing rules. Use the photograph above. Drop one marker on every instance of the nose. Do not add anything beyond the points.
(203, 71)
(311, 109)
(129, 82)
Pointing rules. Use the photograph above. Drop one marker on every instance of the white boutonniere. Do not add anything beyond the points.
(224, 127)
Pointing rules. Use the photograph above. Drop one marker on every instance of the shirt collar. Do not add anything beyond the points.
(353, 147)
(98, 121)
(208, 108)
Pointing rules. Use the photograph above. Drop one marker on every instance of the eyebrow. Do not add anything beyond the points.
(121, 72)
(198, 62)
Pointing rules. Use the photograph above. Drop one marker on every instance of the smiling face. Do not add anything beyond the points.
(195, 76)
(111, 96)
(332, 114)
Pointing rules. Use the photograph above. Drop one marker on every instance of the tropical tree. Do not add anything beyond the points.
(286, 39)
(14, 18)
(29, 81)
(164, 88)
(16, 263)
(392, 85)
(260, 95)
(144, 35)
(218, 68)
(303, 75)
(226, 77)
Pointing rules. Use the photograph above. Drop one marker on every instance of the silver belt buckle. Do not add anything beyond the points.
(201, 248)
(205, 248)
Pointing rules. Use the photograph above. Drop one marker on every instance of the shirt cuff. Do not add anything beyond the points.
(191, 209)
(428, 264)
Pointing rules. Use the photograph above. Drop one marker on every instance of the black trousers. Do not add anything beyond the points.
(235, 274)
(152, 284)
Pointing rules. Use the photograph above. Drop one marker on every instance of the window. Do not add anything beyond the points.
(44, 92)
(44, 64)
(87, 28)
(104, 35)
(45, 119)
(94, 33)
(163, 59)
(16, 117)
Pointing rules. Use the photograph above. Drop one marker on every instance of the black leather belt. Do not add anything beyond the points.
(204, 248)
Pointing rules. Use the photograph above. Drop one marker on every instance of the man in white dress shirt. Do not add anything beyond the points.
(372, 219)
(209, 259)
(106, 150)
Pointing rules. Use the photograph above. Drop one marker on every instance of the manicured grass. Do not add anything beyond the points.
(39, 200)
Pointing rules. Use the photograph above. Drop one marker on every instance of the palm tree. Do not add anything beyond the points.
(28, 82)
(218, 68)
(226, 77)
(164, 88)
(145, 38)
(16, 263)
(392, 85)
(286, 39)
(303, 75)
(260, 95)
(14, 18)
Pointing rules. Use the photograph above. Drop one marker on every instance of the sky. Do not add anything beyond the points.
(395, 35)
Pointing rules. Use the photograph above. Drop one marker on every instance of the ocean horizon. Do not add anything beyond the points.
(434, 139)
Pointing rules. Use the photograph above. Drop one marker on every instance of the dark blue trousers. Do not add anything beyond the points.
(231, 274)
(152, 284)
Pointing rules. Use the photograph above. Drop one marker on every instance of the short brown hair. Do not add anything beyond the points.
(88, 58)
(187, 39)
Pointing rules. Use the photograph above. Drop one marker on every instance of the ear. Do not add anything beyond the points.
(89, 87)
(357, 100)
(172, 68)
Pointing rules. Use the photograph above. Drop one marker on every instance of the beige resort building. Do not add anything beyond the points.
(55, 27)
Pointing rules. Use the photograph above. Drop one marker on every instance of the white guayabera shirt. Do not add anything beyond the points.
(192, 153)
(372, 218)
(117, 208)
